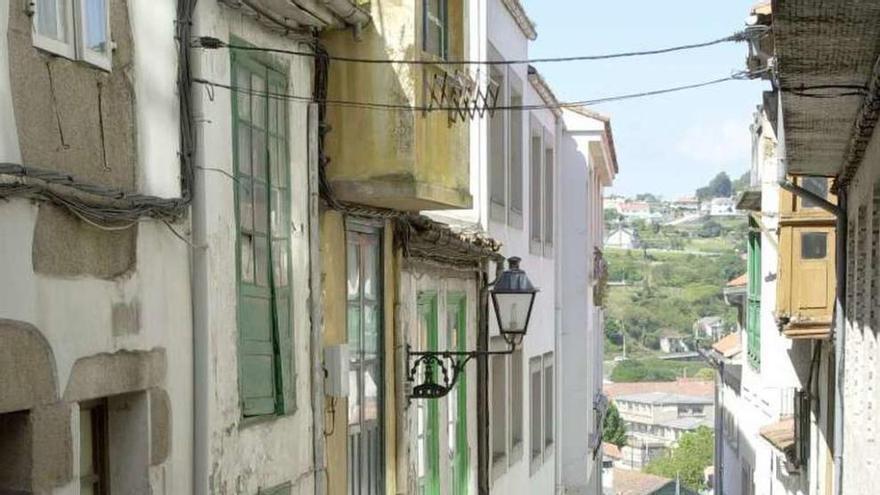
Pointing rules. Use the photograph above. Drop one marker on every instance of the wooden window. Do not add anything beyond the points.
(263, 217)
(436, 37)
(499, 408)
(536, 434)
(549, 180)
(548, 402)
(93, 446)
(364, 320)
(535, 193)
(456, 402)
(816, 185)
(498, 147)
(516, 404)
(753, 305)
(515, 118)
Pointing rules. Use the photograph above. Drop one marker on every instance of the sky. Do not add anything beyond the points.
(669, 144)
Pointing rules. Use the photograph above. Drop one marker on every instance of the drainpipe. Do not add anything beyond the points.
(349, 12)
(839, 340)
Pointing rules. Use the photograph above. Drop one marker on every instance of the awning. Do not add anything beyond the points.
(781, 435)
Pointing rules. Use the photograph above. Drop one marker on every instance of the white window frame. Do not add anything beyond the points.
(548, 201)
(498, 462)
(536, 190)
(549, 421)
(74, 44)
(515, 401)
(536, 455)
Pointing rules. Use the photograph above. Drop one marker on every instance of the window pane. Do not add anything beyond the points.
(244, 150)
(814, 245)
(516, 397)
(353, 267)
(371, 330)
(535, 189)
(247, 258)
(371, 272)
(497, 172)
(260, 153)
(245, 204)
(353, 322)
(516, 159)
(96, 25)
(816, 185)
(280, 263)
(354, 397)
(548, 196)
(261, 261)
(280, 221)
(371, 389)
(49, 13)
(243, 97)
(261, 207)
(258, 100)
(535, 438)
(548, 404)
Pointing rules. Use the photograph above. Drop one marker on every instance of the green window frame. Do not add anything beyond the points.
(263, 265)
(456, 340)
(428, 411)
(753, 305)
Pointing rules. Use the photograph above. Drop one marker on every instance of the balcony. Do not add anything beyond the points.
(400, 158)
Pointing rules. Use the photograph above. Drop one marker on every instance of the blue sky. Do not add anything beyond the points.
(669, 144)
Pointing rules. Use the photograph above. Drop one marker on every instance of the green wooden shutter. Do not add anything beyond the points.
(753, 307)
(457, 311)
(263, 257)
(428, 313)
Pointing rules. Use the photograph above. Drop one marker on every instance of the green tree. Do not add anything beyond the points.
(719, 187)
(613, 428)
(687, 460)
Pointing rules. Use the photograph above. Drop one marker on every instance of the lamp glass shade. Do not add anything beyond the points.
(513, 311)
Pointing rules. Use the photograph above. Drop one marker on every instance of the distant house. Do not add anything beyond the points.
(671, 342)
(622, 238)
(709, 328)
(722, 207)
(635, 209)
(616, 481)
(655, 421)
(686, 203)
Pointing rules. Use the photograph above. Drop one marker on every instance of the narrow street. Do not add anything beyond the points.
(439, 247)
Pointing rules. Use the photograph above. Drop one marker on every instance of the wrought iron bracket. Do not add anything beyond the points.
(447, 364)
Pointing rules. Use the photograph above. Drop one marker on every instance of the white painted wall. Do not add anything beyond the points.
(232, 457)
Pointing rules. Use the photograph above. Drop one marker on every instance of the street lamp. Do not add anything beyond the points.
(513, 296)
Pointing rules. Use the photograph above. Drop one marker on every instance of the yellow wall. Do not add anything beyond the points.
(333, 272)
(400, 159)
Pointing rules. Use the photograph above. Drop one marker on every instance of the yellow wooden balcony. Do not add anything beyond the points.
(807, 281)
(400, 158)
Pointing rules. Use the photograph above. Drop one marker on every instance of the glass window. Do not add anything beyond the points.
(364, 328)
(497, 148)
(516, 398)
(548, 400)
(456, 402)
(535, 200)
(76, 29)
(95, 24)
(515, 132)
(435, 36)
(264, 266)
(536, 439)
(549, 179)
(50, 19)
(816, 185)
(814, 245)
(499, 408)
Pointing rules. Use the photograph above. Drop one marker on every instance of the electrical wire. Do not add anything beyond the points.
(211, 43)
(742, 75)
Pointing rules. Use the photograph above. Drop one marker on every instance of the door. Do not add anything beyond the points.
(427, 410)
(364, 322)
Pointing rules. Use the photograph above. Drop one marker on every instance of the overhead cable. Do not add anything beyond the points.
(211, 43)
(742, 75)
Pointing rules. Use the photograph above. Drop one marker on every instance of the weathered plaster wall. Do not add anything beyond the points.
(239, 457)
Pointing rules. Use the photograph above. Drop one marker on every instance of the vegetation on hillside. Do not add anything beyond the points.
(655, 370)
